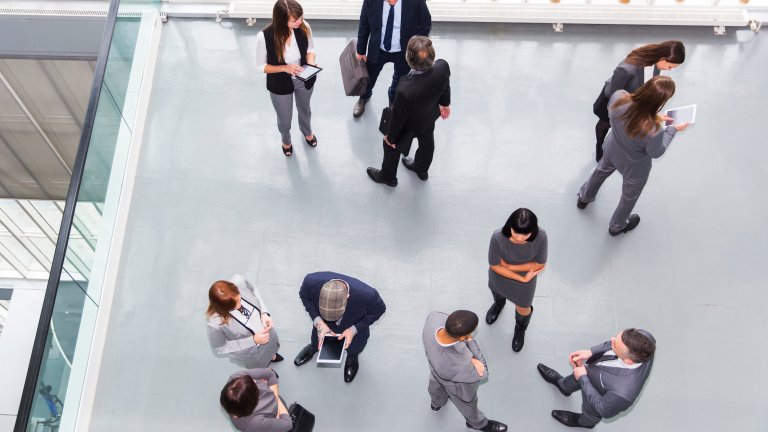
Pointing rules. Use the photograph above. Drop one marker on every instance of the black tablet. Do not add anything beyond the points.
(308, 72)
(332, 350)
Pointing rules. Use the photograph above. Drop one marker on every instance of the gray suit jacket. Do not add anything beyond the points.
(264, 417)
(611, 390)
(452, 366)
(236, 341)
(627, 77)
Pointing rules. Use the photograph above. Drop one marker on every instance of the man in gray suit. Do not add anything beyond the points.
(610, 377)
(457, 366)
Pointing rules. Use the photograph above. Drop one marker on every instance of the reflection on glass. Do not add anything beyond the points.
(5, 304)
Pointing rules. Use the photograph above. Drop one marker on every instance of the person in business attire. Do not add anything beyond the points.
(629, 75)
(610, 377)
(282, 48)
(252, 400)
(516, 255)
(239, 324)
(637, 135)
(384, 29)
(341, 306)
(422, 96)
(456, 366)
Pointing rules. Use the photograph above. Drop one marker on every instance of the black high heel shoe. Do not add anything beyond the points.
(288, 151)
(312, 142)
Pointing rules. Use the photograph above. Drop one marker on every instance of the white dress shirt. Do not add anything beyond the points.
(291, 51)
(396, 27)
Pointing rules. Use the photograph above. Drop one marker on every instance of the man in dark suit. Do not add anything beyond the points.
(341, 306)
(422, 96)
(610, 377)
(385, 28)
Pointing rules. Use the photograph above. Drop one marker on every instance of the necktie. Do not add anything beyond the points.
(245, 312)
(390, 28)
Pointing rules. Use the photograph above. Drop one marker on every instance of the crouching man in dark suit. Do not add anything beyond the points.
(610, 377)
(342, 306)
(422, 96)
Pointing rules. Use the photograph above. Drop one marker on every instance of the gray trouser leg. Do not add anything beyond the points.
(569, 383)
(630, 192)
(588, 417)
(589, 189)
(302, 106)
(263, 354)
(284, 109)
(437, 393)
(469, 410)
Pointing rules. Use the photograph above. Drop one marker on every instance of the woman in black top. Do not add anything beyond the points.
(629, 76)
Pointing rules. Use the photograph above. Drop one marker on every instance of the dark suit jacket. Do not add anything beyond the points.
(364, 305)
(611, 390)
(414, 20)
(416, 109)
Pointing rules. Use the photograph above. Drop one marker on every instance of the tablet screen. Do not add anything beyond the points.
(686, 114)
(308, 72)
(332, 349)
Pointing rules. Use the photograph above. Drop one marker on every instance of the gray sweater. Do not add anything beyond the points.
(264, 417)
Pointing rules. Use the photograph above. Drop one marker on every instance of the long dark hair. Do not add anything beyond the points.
(642, 115)
(283, 11)
(647, 55)
(522, 221)
(240, 396)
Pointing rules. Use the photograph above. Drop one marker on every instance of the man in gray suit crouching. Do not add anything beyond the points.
(610, 377)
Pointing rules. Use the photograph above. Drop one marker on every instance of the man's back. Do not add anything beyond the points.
(417, 100)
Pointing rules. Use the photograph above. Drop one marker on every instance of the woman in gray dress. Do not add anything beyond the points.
(239, 324)
(252, 400)
(517, 254)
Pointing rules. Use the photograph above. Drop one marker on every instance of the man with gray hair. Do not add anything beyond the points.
(422, 96)
(342, 306)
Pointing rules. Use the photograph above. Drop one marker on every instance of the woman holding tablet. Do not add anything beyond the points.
(252, 400)
(637, 136)
(517, 254)
(282, 48)
(630, 74)
(239, 325)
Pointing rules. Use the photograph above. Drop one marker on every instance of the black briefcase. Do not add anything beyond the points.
(386, 118)
(303, 420)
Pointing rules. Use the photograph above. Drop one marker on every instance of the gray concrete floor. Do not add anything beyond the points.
(215, 196)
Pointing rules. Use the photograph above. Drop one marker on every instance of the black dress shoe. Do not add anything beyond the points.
(375, 175)
(350, 369)
(568, 418)
(359, 108)
(305, 355)
(551, 376)
(278, 358)
(493, 313)
(434, 408)
(492, 426)
(408, 163)
(634, 221)
(581, 204)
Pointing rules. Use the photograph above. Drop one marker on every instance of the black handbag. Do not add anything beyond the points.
(303, 420)
(386, 118)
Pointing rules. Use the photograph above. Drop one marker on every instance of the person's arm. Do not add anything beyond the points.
(608, 405)
(261, 52)
(400, 112)
(445, 99)
(363, 30)
(266, 424)
(661, 141)
(265, 374)
(374, 309)
(619, 81)
(308, 299)
(221, 345)
(424, 18)
(310, 46)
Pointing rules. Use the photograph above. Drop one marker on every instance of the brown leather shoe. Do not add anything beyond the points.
(359, 108)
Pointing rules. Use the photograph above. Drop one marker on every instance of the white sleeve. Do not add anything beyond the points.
(310, 39)
(261, 52)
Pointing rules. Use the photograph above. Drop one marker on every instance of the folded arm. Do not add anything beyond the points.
(221, 345)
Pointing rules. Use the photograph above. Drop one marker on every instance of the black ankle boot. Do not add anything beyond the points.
(521, 325)
(493, 312)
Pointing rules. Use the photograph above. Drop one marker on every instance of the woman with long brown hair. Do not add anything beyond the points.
(637, 135)
(282, 48)
(629, 75)
(239, 324)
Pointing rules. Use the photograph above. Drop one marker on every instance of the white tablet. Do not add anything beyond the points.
(308, 72)
(332, 351)
(684, 114)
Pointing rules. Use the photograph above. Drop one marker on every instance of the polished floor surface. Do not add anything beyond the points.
(215, 196)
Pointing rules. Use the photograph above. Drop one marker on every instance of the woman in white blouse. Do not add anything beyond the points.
(282, 48)
(239, 325)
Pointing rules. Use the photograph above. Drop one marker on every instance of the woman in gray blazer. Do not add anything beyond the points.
(253, 402)
(629, 75)
(239, 324)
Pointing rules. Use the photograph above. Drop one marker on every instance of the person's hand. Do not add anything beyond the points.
(665, 118)
(386, 140)
(479, 366)
(261, 337)
(361, 57)
(578, 358)
(322, 330)
(292, 69)
(681, 126)
(445, 111)
(347, 335)
(532, 274)
(579, 371)
(266, 320)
